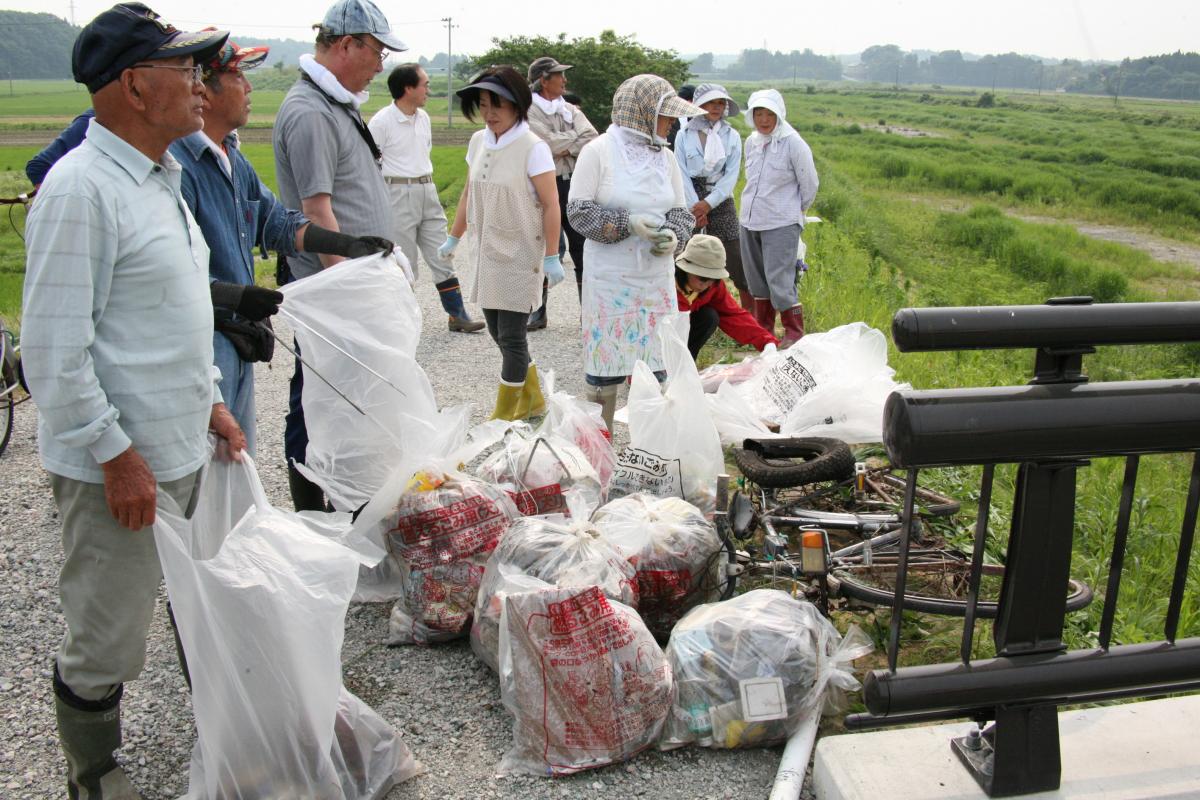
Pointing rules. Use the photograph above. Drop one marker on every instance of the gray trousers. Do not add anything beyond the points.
(769, 260)
(108, 586)
(508, 330)
(421, 225)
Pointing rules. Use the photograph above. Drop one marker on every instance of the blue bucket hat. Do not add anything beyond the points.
(350, 17)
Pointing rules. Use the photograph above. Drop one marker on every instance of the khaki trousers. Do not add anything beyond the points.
(108, 586)
(421, 225)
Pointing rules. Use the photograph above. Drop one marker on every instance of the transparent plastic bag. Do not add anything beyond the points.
(260, 599)
(540, 471)
(674, 449)
(749, 670)
(580, 421)
(440, 531)
(675, 550)
(712, 376)
(358, 325)
(583, 679)
(542, 553)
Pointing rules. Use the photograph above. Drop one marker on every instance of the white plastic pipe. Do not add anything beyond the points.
(794, 762)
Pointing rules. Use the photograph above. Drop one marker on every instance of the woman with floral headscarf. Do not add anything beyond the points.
(781, 183)
(627, 198)
(709, 152)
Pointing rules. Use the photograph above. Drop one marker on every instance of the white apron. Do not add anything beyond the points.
(626, 290)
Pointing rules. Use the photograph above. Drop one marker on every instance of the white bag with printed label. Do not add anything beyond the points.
(675, 550)
(748, 671)
(674, 449)
(541, 553)
(585, 682)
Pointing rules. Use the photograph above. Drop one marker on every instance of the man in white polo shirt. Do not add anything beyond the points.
(117, 340)
(404, 136)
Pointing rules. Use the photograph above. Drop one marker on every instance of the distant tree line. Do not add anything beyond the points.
(1174, 76)
(761, 64)
(35, 45)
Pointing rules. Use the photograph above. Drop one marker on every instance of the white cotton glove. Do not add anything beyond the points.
(644, 225)
(665, 243)
(801, 250)
(447, 248)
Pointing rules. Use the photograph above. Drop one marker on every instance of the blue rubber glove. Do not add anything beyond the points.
(447, 248)
(552, 266)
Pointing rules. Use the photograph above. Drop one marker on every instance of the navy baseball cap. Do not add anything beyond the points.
(351, 17)
(129, 33)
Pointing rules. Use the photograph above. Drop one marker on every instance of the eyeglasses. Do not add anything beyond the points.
(382, 52)
(196, 71)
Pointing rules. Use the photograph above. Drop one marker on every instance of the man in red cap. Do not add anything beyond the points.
(237, 211)
(117, 348)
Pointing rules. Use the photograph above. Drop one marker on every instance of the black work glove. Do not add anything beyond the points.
(252, 302)
(334, 243)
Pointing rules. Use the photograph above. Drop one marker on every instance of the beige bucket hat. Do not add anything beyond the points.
(703, 255)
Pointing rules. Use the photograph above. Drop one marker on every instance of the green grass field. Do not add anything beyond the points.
(918, 220)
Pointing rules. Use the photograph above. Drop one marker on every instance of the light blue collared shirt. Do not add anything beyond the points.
(117, 326)
(690, 155)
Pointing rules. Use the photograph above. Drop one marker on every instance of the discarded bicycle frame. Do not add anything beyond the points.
(1049, 428)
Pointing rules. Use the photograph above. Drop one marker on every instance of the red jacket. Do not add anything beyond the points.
(736, 322)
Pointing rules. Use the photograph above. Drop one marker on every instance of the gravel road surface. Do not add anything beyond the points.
(446, 703)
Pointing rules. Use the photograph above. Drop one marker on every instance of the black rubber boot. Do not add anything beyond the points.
(537, 320)
(450, 293)
(306, 495)
(90, 732)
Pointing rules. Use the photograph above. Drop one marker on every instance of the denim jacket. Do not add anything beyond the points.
(234, 216)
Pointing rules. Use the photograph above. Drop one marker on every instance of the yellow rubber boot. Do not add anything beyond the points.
(533, 393)
(509, 402)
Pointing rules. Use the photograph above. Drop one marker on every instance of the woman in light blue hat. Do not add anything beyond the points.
(709, 152)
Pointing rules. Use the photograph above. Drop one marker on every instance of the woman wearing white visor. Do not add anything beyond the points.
(781, 184)
(627, 199)
(709, 152)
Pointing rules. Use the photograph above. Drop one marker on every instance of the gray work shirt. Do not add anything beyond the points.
(319, 150)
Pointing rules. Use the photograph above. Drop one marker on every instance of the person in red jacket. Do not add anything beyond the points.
(700, 290)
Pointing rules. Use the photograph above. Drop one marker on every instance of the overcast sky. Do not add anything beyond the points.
(1085, 29)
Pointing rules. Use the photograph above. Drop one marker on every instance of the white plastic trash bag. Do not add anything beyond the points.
(260, 601)
(748, 671)
(584, 681)
(712, 376)
(540, 553)
(832, 384)
(441, 531)
(674, 449)
(677, 554)
(358, 325)
(540, 471)
(580, 421)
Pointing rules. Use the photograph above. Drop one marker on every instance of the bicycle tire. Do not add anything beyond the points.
(1079, 596)
(771, 462)
(6, 417)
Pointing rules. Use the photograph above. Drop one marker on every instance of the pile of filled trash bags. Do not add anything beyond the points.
(589, 580)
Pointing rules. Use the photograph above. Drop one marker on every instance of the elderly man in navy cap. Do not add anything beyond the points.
(117, 344)
(328, 166)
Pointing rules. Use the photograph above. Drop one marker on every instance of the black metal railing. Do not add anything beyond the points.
(1049, 429)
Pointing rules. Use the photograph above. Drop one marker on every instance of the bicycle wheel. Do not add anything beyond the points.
(6, 415)
(785, 463)
(937, 583)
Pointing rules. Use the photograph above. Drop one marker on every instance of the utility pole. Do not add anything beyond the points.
(450, 26)
(71, 5)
